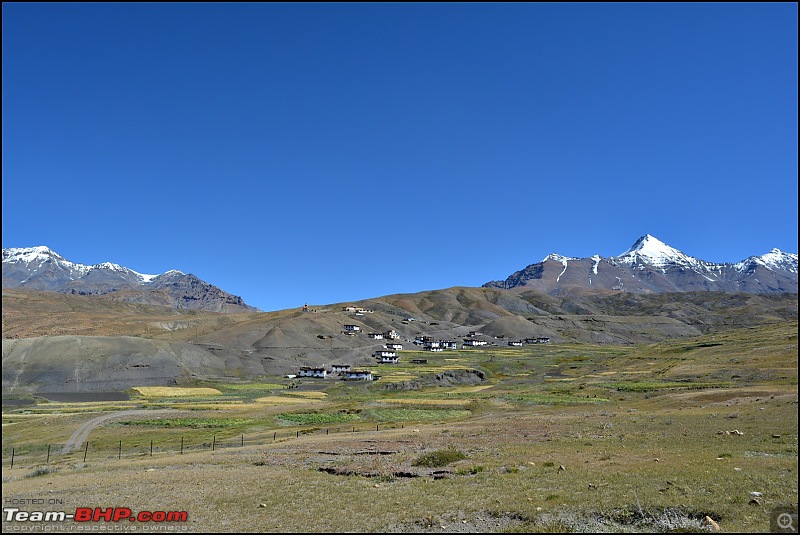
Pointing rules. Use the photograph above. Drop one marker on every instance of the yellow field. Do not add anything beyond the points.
(309, 395)
(278, 400)
(423, 401)
(175, 391)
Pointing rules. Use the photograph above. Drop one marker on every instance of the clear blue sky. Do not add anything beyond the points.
(320, 153)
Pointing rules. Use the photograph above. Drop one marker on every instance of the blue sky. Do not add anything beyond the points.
(321, 153)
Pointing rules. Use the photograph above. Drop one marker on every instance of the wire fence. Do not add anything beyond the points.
(33, 455)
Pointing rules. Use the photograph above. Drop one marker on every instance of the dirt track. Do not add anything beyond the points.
(82, 433)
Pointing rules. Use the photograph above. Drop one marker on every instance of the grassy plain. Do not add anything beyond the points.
(561, 437)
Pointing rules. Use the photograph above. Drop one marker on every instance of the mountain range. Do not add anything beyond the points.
(73, 328)
(39, 268)
(651, 266)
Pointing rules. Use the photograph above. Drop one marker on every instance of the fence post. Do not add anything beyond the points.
(48, 454)
(243, 441)
(85, 451)
(274, 436)
(181, 445)
(214, 443)
(119, 455)
(151, 448)
(12, 457)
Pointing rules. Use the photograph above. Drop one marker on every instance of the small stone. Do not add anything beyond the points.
(710, 524)
(561, 468)
(737, 469)
(776, 436)
(262, 505)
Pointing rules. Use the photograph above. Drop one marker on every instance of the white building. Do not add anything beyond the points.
(307, 371)
(358, 375)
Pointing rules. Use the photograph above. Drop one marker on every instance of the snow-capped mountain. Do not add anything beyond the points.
(40, 268)
(650, 265)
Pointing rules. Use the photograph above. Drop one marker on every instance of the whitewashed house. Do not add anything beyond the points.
(448, 344)
(394, 345)
(386, 353)
(351, 329)
(475, 343)
(308, 371)
(376, 336)
(515, 343)
(340, 368)
(431, 344)
(358, 375)
(388, 360)
(392, 334)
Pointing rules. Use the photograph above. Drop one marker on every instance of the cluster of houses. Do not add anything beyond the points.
(353, 330)
(388, 354)
(344, 371)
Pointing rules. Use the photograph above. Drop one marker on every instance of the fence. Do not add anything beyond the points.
(32, 455)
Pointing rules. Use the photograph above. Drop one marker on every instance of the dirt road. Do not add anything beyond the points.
(82, 433)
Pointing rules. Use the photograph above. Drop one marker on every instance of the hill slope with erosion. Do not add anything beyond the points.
(70, 343)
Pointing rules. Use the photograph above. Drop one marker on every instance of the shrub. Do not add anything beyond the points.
(440, 458)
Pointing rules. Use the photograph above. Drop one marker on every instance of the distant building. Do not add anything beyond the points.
(394, 345)
(351, 329)
(419, 361)
(340, 368)
(475, 343)
(358, 375)
(376, 336)
(392, 334)
(383, 359)
(515, 344)
(307, 371)
(540, 340)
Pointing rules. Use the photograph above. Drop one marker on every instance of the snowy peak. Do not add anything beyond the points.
(558, 258)
(650, 250)
(30, 254)
(775, 260)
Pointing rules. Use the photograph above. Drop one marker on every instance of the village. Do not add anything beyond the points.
(388, 354)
